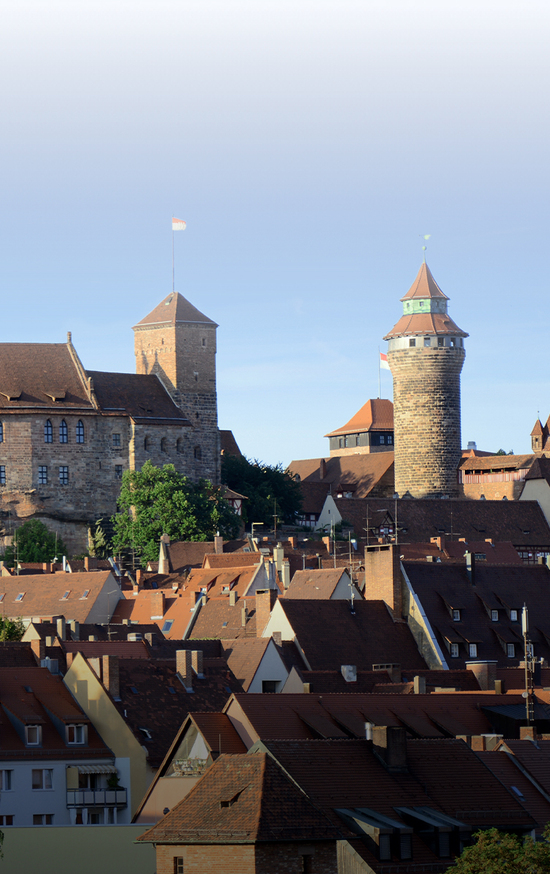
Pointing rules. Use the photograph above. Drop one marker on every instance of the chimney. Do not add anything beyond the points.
(75, 629)
(111, 679)
(389, 744)
(244, 616)
(46, 567)
(184, 668)
(86, 563)
(196, 662)
(293, 541)
(285, 575)
(125, 621)
(471, 567)
(61, 629)
(278, 556)
(151, 638)
(485, 673)
(92, 637)
(322, 469)
(39, 648)
(307, 688)
(326, 541)
(139, 578)
(49, 640)
(265, 598)
(419, 685)
(439, 542)
(277, 638)
(383, 577)
(349, 673)
(232, 598)
(527, 732)
(164, 563)
(157, 604)
(218, 544)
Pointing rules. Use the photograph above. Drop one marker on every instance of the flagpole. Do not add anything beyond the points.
(173, 274)
(379, 393)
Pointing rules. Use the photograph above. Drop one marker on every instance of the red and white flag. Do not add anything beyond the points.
(384, 362)
(178, 224)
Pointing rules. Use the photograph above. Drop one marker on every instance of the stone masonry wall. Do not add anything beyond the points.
(184, 358)
(261, 858)
(426, 408)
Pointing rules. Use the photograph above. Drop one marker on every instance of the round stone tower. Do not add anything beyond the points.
(425, 355)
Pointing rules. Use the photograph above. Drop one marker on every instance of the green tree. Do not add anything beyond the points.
(33, 542)
(269, 489)
(155, 501)
(496, 852)
(98, 544)
(11, 629)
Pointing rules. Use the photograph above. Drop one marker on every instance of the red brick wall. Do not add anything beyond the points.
(383, 577)
(276, 858)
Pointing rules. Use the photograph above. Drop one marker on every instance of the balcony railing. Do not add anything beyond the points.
(96, 798)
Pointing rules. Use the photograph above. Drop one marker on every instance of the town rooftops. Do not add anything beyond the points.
(316, 583)
(73, 596)
(175, 308)
(375, 415)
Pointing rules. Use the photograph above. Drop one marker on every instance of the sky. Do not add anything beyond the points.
(309, 145)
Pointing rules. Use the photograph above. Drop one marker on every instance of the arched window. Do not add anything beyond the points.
(163, 444)
(80, 431)
(48, 432)
(63, 432)
(198, 453)
(1, 432)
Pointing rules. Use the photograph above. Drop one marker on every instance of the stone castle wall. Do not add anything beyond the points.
(426, 409)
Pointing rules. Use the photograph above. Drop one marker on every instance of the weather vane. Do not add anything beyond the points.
(424, 237)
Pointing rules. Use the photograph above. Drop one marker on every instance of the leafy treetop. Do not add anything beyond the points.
(499, 853)
(155, 501)
(269, 490)
(33, 542)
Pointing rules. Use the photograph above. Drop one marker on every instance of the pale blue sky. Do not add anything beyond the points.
(308, 144)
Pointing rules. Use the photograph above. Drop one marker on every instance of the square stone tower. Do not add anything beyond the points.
(178, 343)
(425, 355)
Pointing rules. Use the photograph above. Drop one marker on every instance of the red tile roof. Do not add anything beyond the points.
(243, 799)
(366, 473)
(424, 286)
(425, 323)
(43, 596)
(314, 583)
(375, 415)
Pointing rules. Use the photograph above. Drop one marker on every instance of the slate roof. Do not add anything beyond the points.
(365, 473)
(367, 637)
(314, 583)
(521, 523)
(154, 707)
(243, 799)
(30, 373)
(454, 550)
(140, 396)
(533, 757)
(33, 696)
(442, 588)
(375, 415)
(505, 768)
(173, 309)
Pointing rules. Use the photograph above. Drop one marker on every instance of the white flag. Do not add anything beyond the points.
(384, 362)
(178, 224)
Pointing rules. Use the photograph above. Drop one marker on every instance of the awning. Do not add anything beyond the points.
(97, 769)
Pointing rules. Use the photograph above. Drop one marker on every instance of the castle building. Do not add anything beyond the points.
(425, 355)
(370, 430)
(68, 434)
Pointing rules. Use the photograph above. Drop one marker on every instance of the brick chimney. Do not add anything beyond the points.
(139, 578)
(184, 667)
(383, 580)
(232, 598)
(265, 598)
(39, 648)
(197, 662)
(157, 604)
(86, 562)
(218, 544)
(293, 541)
(74, 625)
(389, 744)
(322, 469)
(111, 678)
(485, 672)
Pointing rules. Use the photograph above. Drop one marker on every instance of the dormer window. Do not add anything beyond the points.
(472, 650)
(513, 615)
(494, 615)
(63, 432)
(20, 596)
(65, 596)
(33, 735)
(456, 615)
(76, 734)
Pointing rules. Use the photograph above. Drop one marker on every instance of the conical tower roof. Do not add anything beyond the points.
(424, 286)
(173, 309)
